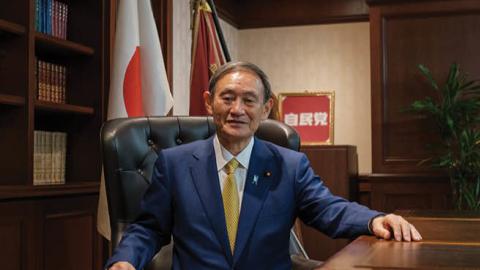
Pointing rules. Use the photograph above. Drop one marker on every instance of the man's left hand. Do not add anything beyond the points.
(384, 226)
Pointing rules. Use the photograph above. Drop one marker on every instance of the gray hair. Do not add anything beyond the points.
(236, 66)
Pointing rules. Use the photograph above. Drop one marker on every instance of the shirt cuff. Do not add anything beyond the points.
(370, 222)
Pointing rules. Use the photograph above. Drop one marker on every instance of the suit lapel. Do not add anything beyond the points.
(205, 177)
(261, 173)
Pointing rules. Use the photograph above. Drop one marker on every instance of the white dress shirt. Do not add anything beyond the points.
(223, 156)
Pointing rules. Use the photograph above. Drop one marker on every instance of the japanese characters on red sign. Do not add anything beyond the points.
(310, 115)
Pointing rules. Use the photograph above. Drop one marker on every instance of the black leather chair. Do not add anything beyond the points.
(130, 147)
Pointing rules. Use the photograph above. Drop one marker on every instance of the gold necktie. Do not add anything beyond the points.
(230, 202)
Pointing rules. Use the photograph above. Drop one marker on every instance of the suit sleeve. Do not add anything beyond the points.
(152, 229)
(332, 215)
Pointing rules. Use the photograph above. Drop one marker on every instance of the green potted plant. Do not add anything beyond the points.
(455, 111)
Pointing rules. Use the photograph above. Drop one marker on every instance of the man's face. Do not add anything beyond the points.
(237, 106)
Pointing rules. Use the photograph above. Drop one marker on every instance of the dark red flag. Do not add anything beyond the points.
(207, 55)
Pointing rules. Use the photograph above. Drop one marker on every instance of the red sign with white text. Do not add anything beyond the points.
(310, 115)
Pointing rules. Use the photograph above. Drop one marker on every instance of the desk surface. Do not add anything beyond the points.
(450, 241)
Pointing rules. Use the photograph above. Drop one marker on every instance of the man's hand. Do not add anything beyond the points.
(383, 226)
(122, 266)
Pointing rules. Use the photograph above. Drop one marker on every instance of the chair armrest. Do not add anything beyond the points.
(300, 263)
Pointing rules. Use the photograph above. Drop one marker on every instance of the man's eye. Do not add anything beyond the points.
(250, 101)
(227, 98)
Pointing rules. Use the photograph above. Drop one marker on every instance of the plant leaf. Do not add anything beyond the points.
(452, 73)
(456, 113)
(426, 72)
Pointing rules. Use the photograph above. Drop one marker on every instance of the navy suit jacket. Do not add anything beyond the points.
(184, 200)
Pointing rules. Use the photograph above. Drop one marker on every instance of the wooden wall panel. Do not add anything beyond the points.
(69, 234)
(337, 167)
(68, 241)
(12, 246)
(392, 192)
(403, 35)
(17, 245)
(50, 233)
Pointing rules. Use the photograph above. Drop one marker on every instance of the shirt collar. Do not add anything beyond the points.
(223, 156)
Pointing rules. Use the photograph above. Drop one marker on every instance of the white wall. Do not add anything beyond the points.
(182, 40)
(314, 58)
(232, 38)
(321, 58)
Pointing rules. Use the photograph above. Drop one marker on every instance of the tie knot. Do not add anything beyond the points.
(231, 166)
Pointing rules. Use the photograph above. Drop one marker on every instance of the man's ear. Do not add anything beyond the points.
(267, 107)
(208, 102)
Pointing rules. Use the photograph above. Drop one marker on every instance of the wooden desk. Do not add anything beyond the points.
(450, 241)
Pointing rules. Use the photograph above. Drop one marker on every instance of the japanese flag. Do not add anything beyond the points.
(139, 85)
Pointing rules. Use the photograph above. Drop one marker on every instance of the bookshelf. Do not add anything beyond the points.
(11, 28)
(83, 54)
(22, 113)
(63, 108)
(41, 211)
(47, 44)
(11, 100)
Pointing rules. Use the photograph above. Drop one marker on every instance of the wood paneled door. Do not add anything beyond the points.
(403, 35)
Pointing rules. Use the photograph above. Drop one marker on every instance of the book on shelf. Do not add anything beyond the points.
(36, 155)
(63, 83)
(51, 82)
(64, 21)
(37, 15)
(51, 18)
(49, 155)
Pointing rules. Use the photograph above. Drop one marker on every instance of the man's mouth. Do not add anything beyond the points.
(236, 122)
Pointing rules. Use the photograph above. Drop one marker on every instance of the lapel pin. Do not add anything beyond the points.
(268, 174)
(255, 180)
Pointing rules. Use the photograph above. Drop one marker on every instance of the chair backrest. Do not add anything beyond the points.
(130, 148)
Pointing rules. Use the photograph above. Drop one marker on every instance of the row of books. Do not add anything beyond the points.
(49, 156)
(51, 18)
(51, 82)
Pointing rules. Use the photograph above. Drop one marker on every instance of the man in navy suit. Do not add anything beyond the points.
(229, 201)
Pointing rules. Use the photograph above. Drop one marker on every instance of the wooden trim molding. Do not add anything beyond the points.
(387, 2)
(271, 13)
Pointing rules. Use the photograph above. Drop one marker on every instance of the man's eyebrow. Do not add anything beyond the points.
(226, 90)
(248, 93)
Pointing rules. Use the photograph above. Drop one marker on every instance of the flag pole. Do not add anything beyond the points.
(219, 31)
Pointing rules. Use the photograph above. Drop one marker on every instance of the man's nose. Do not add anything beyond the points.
(237, 107)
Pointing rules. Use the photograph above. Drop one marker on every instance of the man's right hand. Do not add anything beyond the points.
(122, 266)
